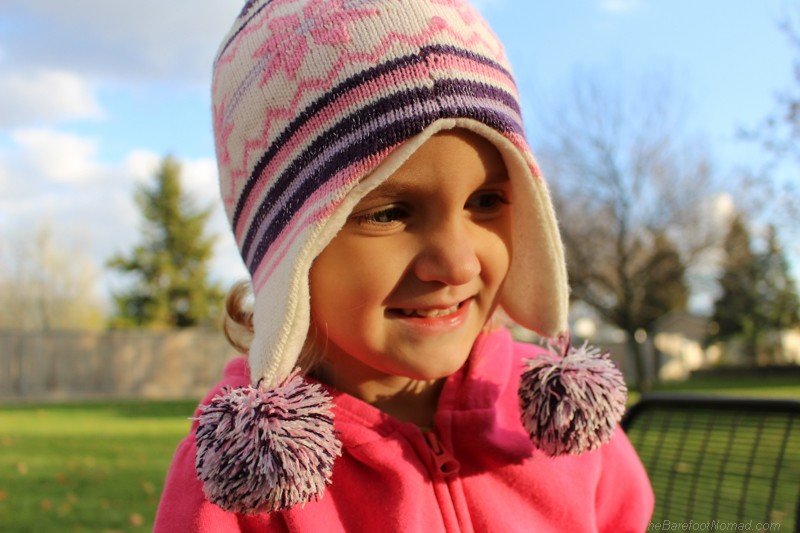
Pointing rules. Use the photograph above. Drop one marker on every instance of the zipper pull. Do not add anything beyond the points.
(446, 464)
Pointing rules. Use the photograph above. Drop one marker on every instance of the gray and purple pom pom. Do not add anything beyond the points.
(571, 404)
(262, 449)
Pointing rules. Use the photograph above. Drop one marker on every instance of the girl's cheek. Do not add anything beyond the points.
(499, 245)
(382, 257)
(379, 278)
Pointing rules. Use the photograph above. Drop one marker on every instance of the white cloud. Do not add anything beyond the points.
(141, 164)
(45, 96)
(620, 6)
(198, 176)
(58, 157)
(144, 40)
(40, 179)
(5, 178)
(201, 179)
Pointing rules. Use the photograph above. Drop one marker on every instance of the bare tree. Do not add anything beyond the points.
(633, 201)
(772, 189)
(46, 285)
(779, 132)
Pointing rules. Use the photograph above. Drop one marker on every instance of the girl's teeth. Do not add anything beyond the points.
(429, 312)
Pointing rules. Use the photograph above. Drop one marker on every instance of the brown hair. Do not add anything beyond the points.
(237, 325)
(237, 320)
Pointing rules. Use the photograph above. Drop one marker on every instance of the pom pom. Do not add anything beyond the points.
(262, 449)
(571, 404)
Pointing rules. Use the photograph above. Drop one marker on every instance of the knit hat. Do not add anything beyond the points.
(315, 103)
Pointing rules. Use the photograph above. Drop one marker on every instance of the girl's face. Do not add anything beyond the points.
(408, 283)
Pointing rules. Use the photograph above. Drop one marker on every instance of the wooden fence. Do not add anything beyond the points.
(61, 365)
(68, 365)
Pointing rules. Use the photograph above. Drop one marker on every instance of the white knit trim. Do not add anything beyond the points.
(536, 291)
(537, 300)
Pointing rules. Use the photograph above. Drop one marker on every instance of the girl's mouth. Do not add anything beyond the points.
(433, 319)
(430, 312)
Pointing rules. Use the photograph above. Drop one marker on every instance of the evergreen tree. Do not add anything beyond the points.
(664, 286)
(758, 294)
(777, 290)
(739, 297)
(172, 288)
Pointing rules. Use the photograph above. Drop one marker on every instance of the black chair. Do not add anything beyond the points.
(733, 460)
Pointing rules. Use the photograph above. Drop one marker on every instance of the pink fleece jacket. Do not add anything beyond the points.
(477, 471)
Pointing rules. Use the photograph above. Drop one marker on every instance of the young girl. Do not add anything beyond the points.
(375, 173)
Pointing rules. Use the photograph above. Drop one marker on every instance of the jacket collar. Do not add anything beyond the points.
(475, 386)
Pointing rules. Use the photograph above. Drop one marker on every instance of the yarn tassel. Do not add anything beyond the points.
(571, 398)
(261, 449)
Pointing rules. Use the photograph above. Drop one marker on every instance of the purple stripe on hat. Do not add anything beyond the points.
(344, 87)
(333, 151)
(479, 109)
(452, 97)
(273, 221)
(362, 141)
(469, 90)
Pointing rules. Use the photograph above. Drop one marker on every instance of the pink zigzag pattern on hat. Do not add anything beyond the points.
(324, 20)
(331, 113)
(223, 129)
(365, 94)
(250, 27)
(313, 13)
(285, 35)
(274, 114)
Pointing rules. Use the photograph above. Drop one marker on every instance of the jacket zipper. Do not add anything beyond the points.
(446, 465)
(446, 470)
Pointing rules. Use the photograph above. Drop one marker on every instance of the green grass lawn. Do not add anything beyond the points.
(704, 464)
(710, 465)
(101, 466)
(86, 467)
(775, 387)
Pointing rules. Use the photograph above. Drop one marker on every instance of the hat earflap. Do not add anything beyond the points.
(571, 398)
(265, 449)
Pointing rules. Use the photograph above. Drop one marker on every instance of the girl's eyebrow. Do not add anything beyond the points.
(497, 177)
(392, 190)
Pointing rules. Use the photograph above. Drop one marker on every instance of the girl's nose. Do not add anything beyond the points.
(448, 255)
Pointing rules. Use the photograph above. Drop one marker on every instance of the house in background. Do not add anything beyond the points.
(672, 351)
(791, 346)
(678, 345)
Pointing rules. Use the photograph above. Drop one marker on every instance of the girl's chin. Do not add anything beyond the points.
(430, 373)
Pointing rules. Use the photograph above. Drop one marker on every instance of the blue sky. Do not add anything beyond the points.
(93, 92)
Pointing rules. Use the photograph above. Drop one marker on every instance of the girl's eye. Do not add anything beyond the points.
(487, 201)
(382, 217)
